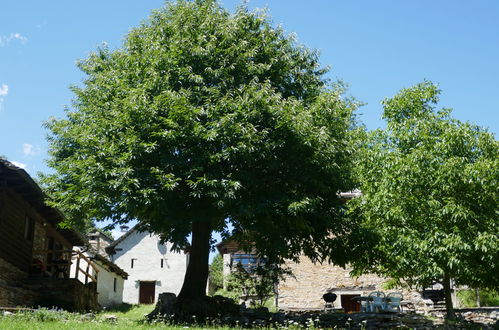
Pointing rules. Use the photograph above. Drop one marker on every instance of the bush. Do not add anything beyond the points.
(487, 297)
(216, 274)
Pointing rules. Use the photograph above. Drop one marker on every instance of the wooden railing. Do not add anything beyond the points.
(63, 263)
(85, 272)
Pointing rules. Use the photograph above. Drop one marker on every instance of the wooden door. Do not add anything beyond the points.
(146, 292)
(348, 304)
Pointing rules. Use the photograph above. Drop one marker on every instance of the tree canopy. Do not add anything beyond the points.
(206, 120)
(429, 195)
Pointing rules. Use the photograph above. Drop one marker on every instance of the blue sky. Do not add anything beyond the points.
(377, 47)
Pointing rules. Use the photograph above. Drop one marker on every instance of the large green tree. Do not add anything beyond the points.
(429, 195)
(206, 120)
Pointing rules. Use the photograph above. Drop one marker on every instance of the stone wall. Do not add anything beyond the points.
(39, 242)
(13, 296)
(310, 281)
(68, 294)
(477, 315)
(98, 241)
(10, 273)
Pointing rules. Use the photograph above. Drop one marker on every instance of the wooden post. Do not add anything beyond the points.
(448, 296)
(77, 266)
(68, 271)
(87, 271)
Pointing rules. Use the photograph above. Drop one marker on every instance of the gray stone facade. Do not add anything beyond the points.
(12, 295)
(10, 273)
(39, 242)
(310, 281)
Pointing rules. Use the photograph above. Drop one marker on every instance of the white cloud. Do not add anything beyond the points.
(4, 90)
(19, 164)
(29, 149)
(6, 39)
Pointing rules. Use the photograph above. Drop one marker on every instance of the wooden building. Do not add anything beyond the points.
(35, 254)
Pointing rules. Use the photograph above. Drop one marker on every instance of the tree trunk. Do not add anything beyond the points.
(196, 276)
(448, 297)
(477, 296)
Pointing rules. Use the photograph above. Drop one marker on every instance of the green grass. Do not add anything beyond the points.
(130, 312)
(488, 298)
(127, 317)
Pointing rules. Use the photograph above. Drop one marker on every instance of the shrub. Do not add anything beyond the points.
(487, 297)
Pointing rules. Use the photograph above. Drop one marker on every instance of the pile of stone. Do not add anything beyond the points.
(485, 316)
(229, 314)
(359, 320)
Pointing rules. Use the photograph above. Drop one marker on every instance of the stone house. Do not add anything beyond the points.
(151, 266)
(99, 241)
(310, 281)
(304, 289)
(35, 254)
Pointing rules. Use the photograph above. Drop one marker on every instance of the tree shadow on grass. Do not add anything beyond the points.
(123, 308)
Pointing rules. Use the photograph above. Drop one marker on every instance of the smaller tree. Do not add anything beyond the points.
(430, 191)
(258, 283)
(216, 277)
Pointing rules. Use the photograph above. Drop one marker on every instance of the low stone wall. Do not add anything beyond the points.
(10, 273)
(481, 315)
(12, 296)
(367, 321)
(359, 320)
(68, 294)
(11, 293)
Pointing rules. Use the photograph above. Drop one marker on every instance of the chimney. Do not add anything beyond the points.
(124, 228)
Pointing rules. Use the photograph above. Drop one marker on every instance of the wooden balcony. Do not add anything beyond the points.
(58, 265)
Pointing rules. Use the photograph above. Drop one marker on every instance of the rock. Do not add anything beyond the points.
(7, 313)
(88, 317)
(244, 321)
(223, 305)
(110, 318)
(259, 323)
(164, 306)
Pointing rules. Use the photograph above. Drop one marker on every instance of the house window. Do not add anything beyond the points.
(162, 263)
(29, 229)
(114, 284)
(249, 261)
(132, 261)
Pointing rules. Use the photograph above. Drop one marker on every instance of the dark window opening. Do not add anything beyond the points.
(248, 261)
(162, 263)
(132, 262)
(114, 284)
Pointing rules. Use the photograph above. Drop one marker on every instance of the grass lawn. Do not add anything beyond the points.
(127, 317)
